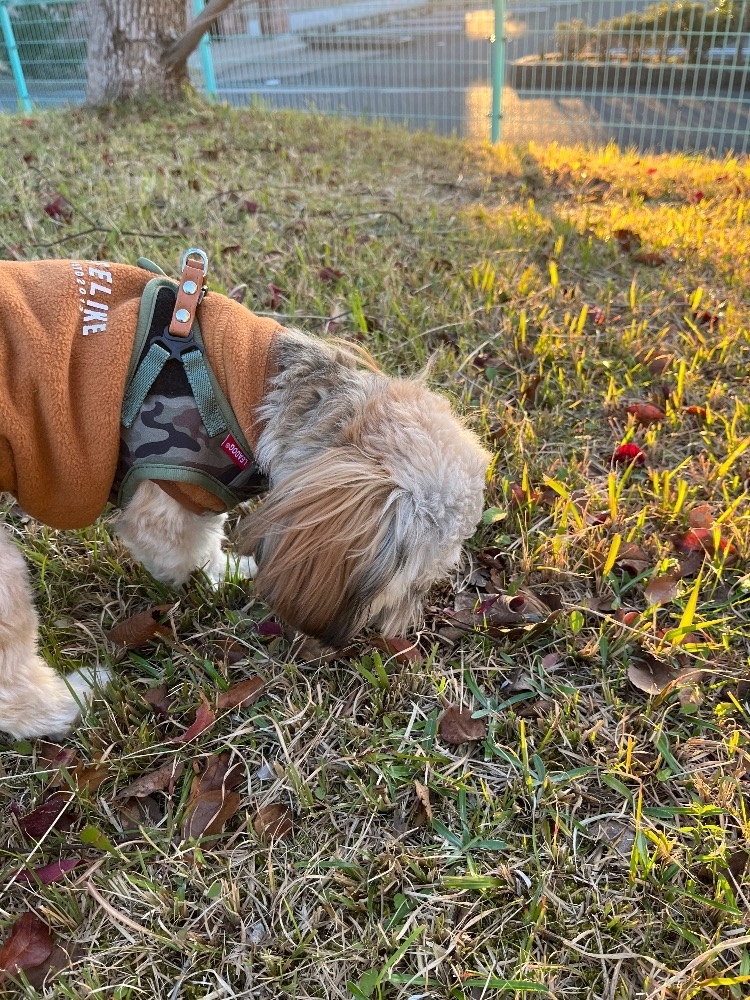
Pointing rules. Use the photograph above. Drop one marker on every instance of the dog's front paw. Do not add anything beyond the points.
(230, 567)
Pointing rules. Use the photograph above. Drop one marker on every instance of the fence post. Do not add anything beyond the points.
(498, 69)
(15, 62)
(207, 62)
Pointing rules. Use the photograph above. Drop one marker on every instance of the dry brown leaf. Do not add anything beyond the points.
(701, 516)
(88, 777)
(140, 629)
(154, 781)
(242, 694)
(273, 821)
(401, 650)
(633, 558)
(457, 726)
(158, 699)
(213, 799)
(135, 813)
(650, 675)
(423, 797)
(650, 259)
(662, 589)
(655, 359)
(627, 240)
(29, 944)
(646, 413)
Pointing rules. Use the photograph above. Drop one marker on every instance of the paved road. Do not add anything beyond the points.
(429, 72)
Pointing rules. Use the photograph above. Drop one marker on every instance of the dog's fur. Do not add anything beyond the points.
(374, 485)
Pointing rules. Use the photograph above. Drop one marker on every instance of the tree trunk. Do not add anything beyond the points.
(140, 48)
(127, 49)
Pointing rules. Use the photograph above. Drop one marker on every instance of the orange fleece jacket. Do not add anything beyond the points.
(66, 335)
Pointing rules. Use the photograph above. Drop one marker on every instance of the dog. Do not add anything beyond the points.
(119, 384)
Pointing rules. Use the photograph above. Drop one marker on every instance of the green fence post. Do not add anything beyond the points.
(207, 62)
(498, 68)
(15, 62)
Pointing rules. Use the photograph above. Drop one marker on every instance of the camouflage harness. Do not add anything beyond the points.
(177, 424)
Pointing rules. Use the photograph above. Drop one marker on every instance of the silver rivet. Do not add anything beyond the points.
(189, 287)
(182, 315)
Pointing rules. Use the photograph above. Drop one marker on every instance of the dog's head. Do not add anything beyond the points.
(386, 486)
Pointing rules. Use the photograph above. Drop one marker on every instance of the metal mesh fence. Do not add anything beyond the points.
(665, 76)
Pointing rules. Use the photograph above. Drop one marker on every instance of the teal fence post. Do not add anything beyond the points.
(207, 62)
(498, 69)
(15, 62)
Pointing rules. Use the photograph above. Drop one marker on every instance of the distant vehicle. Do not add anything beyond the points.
(726, 53)
(618, 53)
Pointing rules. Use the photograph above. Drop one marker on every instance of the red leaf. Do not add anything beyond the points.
(29, 944)
(629, 453)
(701, 516)
(251, 207)
(270, 629)
(330, 274)
(53, 872)
(696, 411)
(646, 413)
(627, 240)
(275, 298)
(519, 497)
(158, 699)
(696, 539)
(696, 197)
(59, 209)
(204, 719)
(598, 316)
(55, 813)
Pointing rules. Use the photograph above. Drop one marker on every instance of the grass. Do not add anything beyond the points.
(589, 846)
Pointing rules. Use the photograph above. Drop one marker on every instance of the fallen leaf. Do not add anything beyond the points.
(138, 630)
(691, 563)
(275, 298)
(55, 813)
(662, 589)
(270, 629)
(703, 539)
(457, 726)
(633, 558)
(56, 756)
(423, 797)
(63, 954)
(551, 660)
(158, 699)
(88, 777)
(650, 259)
(239, 292)
(627, 240)
(646, 413)
(696, 197)
(627, 453)
(59, 209)
(137, 812)
(597, 316)
(628, 618)
(697, 411)
(153, 781)
(330, 274)
(241, 695)
(653, 358)
(47, 874)
(528, 392)
(29, 944)
(273, 821)
(251, 207)
(204, 719)
(520, 497)
(404, 651)
(701, 516)
(649, 674)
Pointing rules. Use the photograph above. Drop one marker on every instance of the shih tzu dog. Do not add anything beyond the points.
(119, 384)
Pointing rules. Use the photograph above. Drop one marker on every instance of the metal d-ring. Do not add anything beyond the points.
(195, 252)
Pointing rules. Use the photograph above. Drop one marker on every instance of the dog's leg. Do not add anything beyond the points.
(34, 699)
(171, 541)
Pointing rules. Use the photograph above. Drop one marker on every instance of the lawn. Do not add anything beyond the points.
(588, 312)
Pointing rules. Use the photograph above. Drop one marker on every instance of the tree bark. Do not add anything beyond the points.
(140, 48)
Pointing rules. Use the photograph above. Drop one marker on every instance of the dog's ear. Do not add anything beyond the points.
(327, 541)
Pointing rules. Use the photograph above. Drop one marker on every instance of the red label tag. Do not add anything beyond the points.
(231, 448)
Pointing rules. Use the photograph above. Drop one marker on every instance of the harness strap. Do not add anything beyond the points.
(205, 400)
(138, 388)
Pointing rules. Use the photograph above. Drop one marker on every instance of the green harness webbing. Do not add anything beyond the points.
(197, 375)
